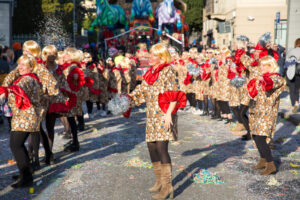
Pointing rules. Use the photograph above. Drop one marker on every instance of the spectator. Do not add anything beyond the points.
(18, 50)
(293, 73)
(10, 57)
(200, 47)
(281, 52)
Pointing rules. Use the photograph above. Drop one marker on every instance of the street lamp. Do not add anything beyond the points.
(74, 24)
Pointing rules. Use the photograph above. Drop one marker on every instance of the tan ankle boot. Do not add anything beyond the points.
(239, 127)
(270, 168)
(157, 172)
(166, 181)
(261, 164)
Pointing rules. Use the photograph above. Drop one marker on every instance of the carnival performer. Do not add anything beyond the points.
(64, 120)
(92, 82)
(74, 89)
(49, 86)
(214, 87)
(126, 74)
(160, 92)
(224, 84)
(265, 92)
(24, 98)
(103, 73)
(206, 77)
(115, 78)
(133, 63)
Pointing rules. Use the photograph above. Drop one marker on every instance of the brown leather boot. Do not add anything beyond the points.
(166, 181)
(261, 164)
(270, 168)
(157, 172)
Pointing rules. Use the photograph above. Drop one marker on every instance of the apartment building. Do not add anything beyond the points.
(224, 20)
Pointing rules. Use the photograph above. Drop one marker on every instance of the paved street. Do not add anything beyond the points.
(209, 162)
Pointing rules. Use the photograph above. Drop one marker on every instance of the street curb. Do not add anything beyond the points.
(293, 118)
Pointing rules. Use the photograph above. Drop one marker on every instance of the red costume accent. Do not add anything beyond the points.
(80, 81)
(187, 79)
(88, 82)
(128, 112)
(150, 77)
(166, 98)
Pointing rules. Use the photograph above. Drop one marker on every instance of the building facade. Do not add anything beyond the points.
(224, 20)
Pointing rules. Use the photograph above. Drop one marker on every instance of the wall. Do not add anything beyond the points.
(293, 23)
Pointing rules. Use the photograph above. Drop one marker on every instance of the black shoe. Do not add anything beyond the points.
(216, 117)
(246, 137)
(24, 182)
(15, 177)
(72, 148)
(36, 165)
(80, 127)
(49, 160)
(220, 119)
(228, 121)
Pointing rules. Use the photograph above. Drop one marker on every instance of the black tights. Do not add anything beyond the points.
(216, 107)
(244, 117)
(89, 106)
(17, 146)
(159, 151)
(191, 99)
(50, 124)
(34, 145)
(236, 111)
(263, 148)
(224, 107)
(205, 103)
(73, 126)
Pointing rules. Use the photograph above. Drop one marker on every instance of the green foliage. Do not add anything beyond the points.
(193, 15)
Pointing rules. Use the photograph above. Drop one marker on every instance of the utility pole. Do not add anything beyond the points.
(74, 24)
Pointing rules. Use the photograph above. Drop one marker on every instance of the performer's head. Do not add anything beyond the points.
(268, 64)
(70, 55)
(142, 46)
(217, 55)
(87, 57)
(79, 56)
(210, 53)
(31, 47)
(60, 57)
(49, 53)
(159, 54)
(185, 55)
(193, 52)
(26, 64)
(225, 52)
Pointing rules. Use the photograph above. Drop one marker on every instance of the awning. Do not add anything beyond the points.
(218, 17)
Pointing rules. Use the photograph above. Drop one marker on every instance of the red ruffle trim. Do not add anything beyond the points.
(64, 107)
(217, 74)
(170, 96)
(21, 99)
(267, 82)
(187, 79)
(4, 90)
(89, 82)
(80, 80)
(128, 112)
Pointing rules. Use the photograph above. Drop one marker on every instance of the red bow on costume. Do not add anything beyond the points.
(181, 62)
(265, 53)
(80, 81)
(187, 79)
(112, 90)
(124, 70)
(22, 101)
(64, 107)
(254, 63)
(266, 83)
(101, 69)
(193, 61)
(116, 68)
(40, 61)
(150, 77)
(230, 74)
(237, 60)
(134, 58)
(61, 68)
(92, 66)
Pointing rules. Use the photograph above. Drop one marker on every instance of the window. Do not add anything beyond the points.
(224, 27)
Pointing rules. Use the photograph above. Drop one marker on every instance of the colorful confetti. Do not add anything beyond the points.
(137, 162)
(206, 177)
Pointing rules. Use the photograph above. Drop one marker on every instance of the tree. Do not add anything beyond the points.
(193, 15)
(26, 15)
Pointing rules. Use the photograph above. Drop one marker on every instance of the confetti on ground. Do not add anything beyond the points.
(78, 166)
(11, 162)
(188, 138)
(206, 177)
(175, 143)
(294, 172)
(137, 162)
(273, 182)
(294, 165)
